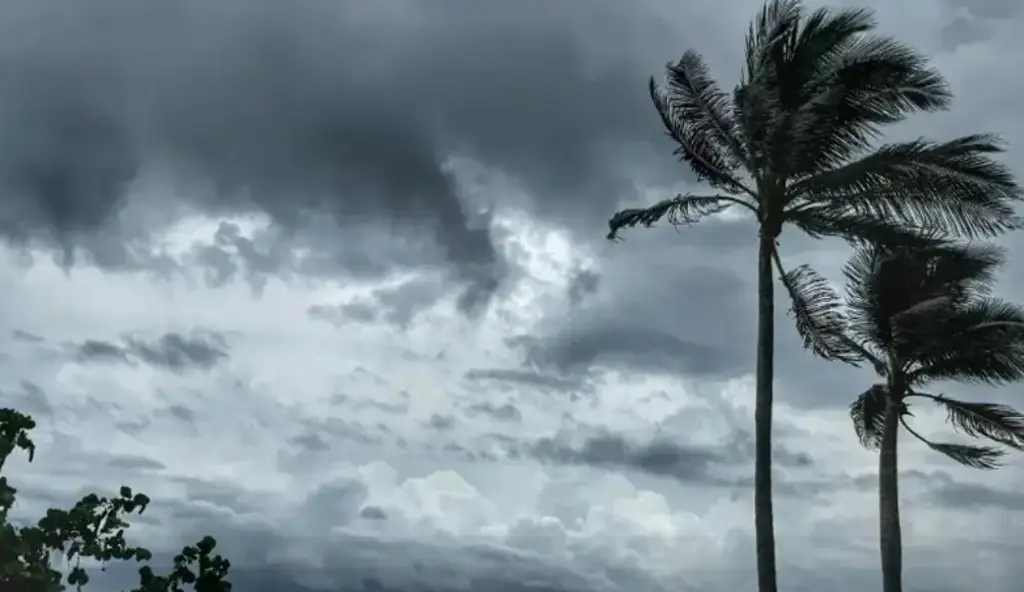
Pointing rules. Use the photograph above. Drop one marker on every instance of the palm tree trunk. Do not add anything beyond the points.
(890, 535)
(764, 524)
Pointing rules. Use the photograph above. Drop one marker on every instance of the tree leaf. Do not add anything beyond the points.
(996, 422)
(818, 311)
(976, 457)
(868, 412)
(681, 210)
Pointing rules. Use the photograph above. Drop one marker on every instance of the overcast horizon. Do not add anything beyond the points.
(329, 281)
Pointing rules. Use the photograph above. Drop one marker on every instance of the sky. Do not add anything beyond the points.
(329, 281)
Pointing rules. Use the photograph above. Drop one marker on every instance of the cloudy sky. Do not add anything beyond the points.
(328, 280)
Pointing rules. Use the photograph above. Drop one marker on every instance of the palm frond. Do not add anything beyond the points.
(956, 186)
(1000, 423)
(818, 312)
(982, 343)
(681, 210)
(897, 294)
(756, 100)
(809, 49)
(859, 228)
(698, 116)
(976, 457)
(771, 28)
(863, 83)
(823, 36)
(868, 414)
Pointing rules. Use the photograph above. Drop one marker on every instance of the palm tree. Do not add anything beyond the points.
(792, 145)
(918, 316)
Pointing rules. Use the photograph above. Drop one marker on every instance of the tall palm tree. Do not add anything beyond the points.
(918, 316)
(793, 146)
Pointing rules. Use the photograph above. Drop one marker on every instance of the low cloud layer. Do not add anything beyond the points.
(173, 351)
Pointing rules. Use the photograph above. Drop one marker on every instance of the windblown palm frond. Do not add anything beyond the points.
(862, 83)
(769, 31)
(858, 228)
(1000, 423)
(698, 116)
(976, 457)
(954, 186)
(897, 294)
(982, 343)
(681, 210)
(868, 414)
(818, 311)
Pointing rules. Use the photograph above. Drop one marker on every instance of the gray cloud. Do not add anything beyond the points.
(25, 336)
(398, 305)
(517, 376)
(305, 114)
(442, 423)
(963, 31)
(201, 350)
(582, 284)
(662, 457)
(359, 312)
(364, 564)
(977, 495)
(397, 404)
(29, 398)
(946, 491)
(181, 413)
(994, 9)
(350, 560)
(503, 412)
(656, 309)
(311, 441)
(135, 463)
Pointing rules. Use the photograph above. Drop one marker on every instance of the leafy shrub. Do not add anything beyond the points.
(94, 529)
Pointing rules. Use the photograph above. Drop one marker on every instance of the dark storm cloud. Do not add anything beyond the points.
(333, 116)
(659, 306)
(708, 465)
(172, 351)
(668, 459)
(178, 352)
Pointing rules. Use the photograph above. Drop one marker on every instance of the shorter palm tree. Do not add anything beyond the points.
(919, 315)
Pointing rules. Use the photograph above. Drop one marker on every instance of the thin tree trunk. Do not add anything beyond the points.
(764, 526)
(890, 535)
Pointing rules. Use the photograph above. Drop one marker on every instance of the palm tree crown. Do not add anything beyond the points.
(927, 315)
(918, 315)
(793, 143)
